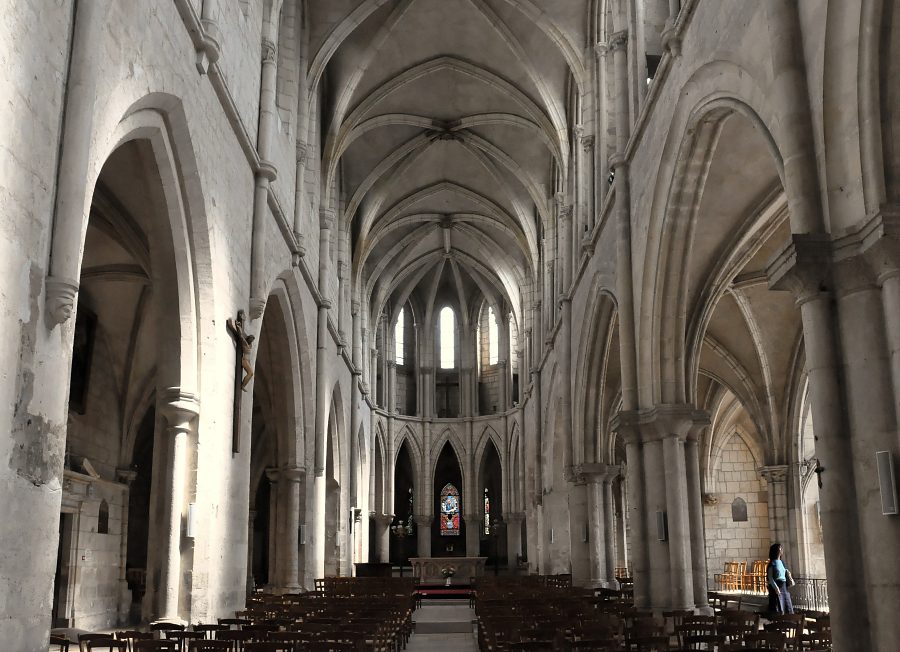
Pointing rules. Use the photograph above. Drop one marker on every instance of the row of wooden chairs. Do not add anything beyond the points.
(736, 577)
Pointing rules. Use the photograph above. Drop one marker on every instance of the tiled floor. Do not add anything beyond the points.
(443, 626)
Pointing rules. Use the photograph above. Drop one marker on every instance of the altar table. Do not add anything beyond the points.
(428, 569)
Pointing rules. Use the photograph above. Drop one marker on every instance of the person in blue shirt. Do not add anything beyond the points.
(778, 579)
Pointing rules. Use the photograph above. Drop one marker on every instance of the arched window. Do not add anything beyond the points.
(487, 512)
(398, 337)
(103, 518)
(449, 510)
(493, 337)
(447, 334)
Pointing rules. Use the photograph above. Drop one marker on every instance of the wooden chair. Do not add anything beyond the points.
(204, 645)
(166, 627)
(131, 635)
(268, 646)
(210, 630)
(107, 644)
(157, 645)
(61, 642)
(702, 642)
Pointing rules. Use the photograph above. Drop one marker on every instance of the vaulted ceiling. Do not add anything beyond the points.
(446, 133)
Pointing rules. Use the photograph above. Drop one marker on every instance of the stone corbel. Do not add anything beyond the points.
(710, 499)
(804, 267)
(618, 41)
(671, 39)
(180, 408)
(59, 300)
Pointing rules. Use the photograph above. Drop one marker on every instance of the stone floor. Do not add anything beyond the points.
(443, 626)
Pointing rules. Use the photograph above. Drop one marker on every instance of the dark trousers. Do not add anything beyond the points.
(780, 603)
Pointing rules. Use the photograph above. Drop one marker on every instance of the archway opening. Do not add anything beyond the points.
(492, 533)
(404, 504)
(447, 540)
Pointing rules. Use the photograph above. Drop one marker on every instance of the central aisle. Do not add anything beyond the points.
(443, 626)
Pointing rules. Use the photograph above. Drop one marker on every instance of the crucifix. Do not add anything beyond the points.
(242, 346)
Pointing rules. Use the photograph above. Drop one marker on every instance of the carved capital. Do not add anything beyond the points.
(273, 474)
(354, 307)
(619, 40)
(803, 267)
(178, 407)
(302, 152)
(266, 170)
(423, 520)
(596, 472)
(660, 422)
(293, 473)
(601, 49)
(59, 299)
(257, 307)
(587, 143)
(326, 218)
(269, 51)
(710, 499)
(383, 520)
(775, 473)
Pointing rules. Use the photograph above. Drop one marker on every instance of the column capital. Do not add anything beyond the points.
(293, 473)
(326, 218)
(354, 307)
(273, 474)
(596, 472)
(179, 407)
(382, 519)
(877, 240)
(774, 473)
(423, 520)
(660, 422)
(601, 49)
(619, 40)
(804, 267)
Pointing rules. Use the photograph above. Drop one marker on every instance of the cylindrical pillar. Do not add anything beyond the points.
(291, 478)
(695, 516)
(383, 536)
(473, 534)
(596, 535)
(251, 519)
(423, 534)
(680, 566)
(274, 534)
(180, 409)
(75, 155)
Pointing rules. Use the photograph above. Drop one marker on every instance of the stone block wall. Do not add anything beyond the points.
(737, 476)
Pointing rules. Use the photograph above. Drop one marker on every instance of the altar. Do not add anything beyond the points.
(428, 569)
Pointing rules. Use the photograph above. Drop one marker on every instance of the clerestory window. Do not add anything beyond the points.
(399, 337)
(447, 334)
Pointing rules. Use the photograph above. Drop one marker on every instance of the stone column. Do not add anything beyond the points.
(601, 533)
(804, 269)
(695, 515)
(180, 409)
(74, 163)
(473, 534)
(126, 477)
(290, 570)
(622, 559)
(383, 536)
(265, 171)
(776, 482)
(274, 534)
(423, 534)
(251, 518)
(513, 537)
(595, 477)
(663, 565)
(391, 398)
(610, 527)
(627, 426)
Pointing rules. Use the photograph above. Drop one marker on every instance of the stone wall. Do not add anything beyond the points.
(737, 476)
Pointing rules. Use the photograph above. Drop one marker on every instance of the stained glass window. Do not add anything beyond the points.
(487, 513)
(449, 510)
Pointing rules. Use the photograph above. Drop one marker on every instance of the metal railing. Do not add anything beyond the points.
(810, 593)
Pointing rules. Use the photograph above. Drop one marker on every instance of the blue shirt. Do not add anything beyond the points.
(776, 572)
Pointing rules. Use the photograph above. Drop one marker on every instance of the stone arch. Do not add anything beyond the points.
(724, 90)
(449, 437)
(590, 374)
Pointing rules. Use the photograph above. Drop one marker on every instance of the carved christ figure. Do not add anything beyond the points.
(236, 328)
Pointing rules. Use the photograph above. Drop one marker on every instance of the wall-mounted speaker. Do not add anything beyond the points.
(885, 462)
(662, 526)
(552, 538)
(302, 535)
